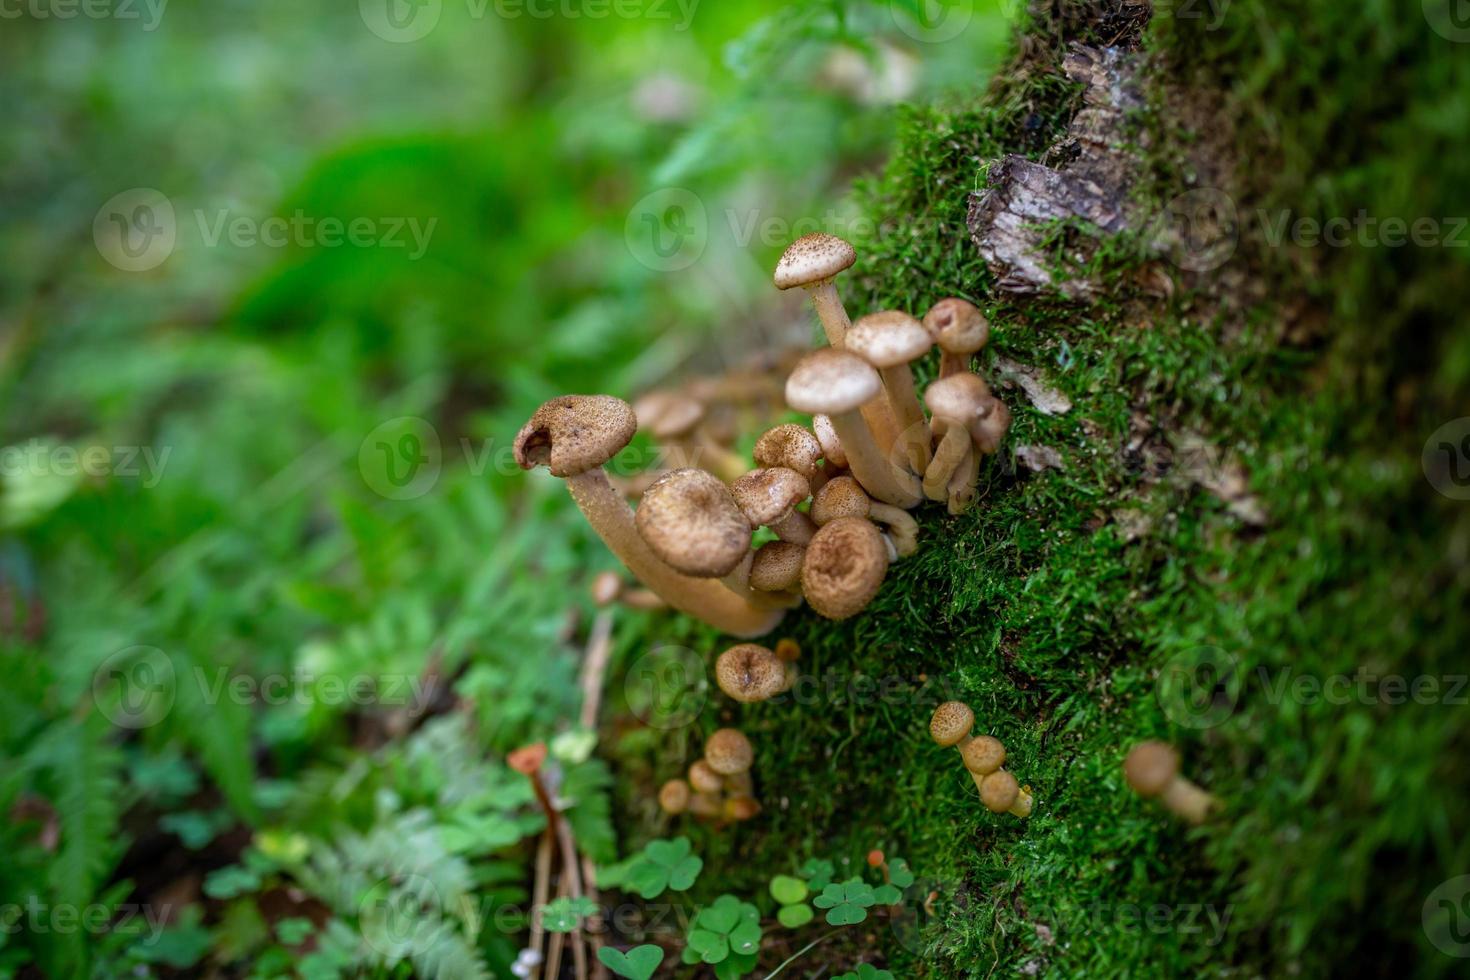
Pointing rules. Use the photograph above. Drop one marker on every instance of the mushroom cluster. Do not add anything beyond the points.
(834, 497)
(984, 759)
(719, 786)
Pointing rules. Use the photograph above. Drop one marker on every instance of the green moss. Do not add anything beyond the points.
(1039, 611)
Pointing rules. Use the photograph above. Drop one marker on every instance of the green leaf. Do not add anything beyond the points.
(735, 967)
(888, 895)
(685, 873)
(846, 915)
(647, 878)
(795, 916)
(788, 890)
(746, 938)
(566, 914)
(639, 963)
(899, 873)
(230, 881)
(818, 874)
(712, 947)
(294, 931)
(720, 917)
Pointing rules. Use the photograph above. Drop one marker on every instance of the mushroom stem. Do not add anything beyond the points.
(870, 465)
(951, 363)
(795, 527)
(706, 599)
(962, 483)
(1188, 800)
(830, 311)
(953, 446)
(902, 528)
(903, 402)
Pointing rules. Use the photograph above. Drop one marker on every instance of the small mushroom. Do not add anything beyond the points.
(838, 384)
(673, 796)
(891, 341)
(573, 436)
(950, 725)
(812, 262)
(749, 672)
(842, 497)
(692, 523)
(1000, 793)
(769, 496)
(959, 404)
(844, 567)
(791, 446)
(676, 422)
(1152, 769)
(608, 587)
(704, 779)
(729, 752)
(960, 330)
(776, 568)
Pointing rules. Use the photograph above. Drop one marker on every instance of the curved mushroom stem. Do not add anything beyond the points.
(913, 429)
(1024, 804)
(962, 483)
(795, 527)
(947, 458)
(830, 311)
(704, 599)
(903, 529)
(1188, 800)
(951, 363)
(870, 465)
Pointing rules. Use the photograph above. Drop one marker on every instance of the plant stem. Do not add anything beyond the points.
(800, 953)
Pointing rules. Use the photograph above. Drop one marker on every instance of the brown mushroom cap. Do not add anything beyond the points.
(951, 722)
(831, 381)
(990, 429)
(983, 755)
(888, 339)
(960, 398)
(749, 672)
(1151, 767)
(790, 445)
(673, 796)
(844, 568)
(704, 779)
(575, 433)
(832, 450)
(999, 791)
(728, 752)
(776, 566)
(740, 808)
(812, 259)
(668, 414)
(692, 523)
(767, 495)
(957, 326)
(842, 497)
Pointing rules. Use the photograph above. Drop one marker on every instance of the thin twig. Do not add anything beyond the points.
(572, 883)
(800, 953)
(539, 895)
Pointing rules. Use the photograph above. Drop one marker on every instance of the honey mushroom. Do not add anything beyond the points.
(795, 448)
(690, 521)
(1152, 770)
(749, 673)
(891, 341)
(950, 726)
(844, 567)
(843, 497)
(776, 568)
(769, 497)
(960, 330)
(676, 423)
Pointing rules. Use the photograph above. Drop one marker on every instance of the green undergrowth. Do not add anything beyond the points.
(1060, 606)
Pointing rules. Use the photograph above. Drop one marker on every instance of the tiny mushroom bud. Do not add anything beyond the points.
(812, 262)
(951, 723)
(1152, 769)
(768, 497)
(1000, 793)
(841, 497)
(844, 568)
(749, 672)
(673, 796)
(573, 436)
(960, 330)
(728, 752)
(983, 755)
(777, 567)
(838, 384)
(891, 341)
(788, 649)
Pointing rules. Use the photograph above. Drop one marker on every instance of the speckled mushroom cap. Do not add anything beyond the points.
(691, 522)
(704, 779)
(673, 796)
(840, 497)
(749, 672)
(831, 381)
(983, 755)
(728, 752)
(812, 259)
(951, 722)
(1151, 767)
(790, 445)
(776, 566)
(960, 397)
(832, 450)
(668, 414)
(999, 791)
(888, 339)
(990, 429)
(767, 495)
(846, 562)
(957, 326)
(575, 433)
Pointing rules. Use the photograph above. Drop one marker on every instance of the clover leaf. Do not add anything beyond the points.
(888, 895)
(638, 963)
(566, 914)
(788, 890)
(865, 971)
(724, 928)
(818, 874)
(899, 873)
(795, 916)
(847, 903)
(664, 864)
